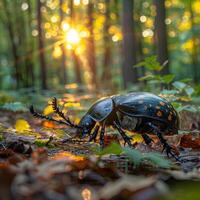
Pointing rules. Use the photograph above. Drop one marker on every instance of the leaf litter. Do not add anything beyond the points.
(41, 160)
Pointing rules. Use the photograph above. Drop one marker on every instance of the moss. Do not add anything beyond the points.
(43, 143)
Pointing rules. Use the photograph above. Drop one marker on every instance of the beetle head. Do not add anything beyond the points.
(86, 125)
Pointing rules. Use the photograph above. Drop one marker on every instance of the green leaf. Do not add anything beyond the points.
(157, 159)
(147, 77)
(150, 63)
(134, 155)
(15, 107)
(167, 78)
(179, 85)
(189, 91)
(113, 148)
(189, 108)
(169, 92)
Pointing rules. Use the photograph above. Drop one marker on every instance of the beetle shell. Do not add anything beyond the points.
(146, 105)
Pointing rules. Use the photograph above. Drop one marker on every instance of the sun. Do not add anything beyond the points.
(73, 37)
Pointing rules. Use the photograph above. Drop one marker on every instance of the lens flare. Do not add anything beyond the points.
(73, 37)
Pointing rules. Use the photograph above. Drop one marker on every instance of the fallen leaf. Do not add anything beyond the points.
(188, 141)
(22, 125)
(48, 110)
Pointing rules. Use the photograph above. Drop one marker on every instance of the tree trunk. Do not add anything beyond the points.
(161, 34)
(129, 55)
(9, 26)
(77, 68)
(63, 74)
(91, 45)
(76, 59)
(195, 63)
(30, 64)
(106, 75)
(41, 47)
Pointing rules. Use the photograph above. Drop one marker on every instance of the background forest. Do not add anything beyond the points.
(95, 44)
(57, 57)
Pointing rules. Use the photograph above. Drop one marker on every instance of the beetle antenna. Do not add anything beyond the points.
(61, 114)
(39, 115)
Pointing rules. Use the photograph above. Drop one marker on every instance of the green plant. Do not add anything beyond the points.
(180, 93)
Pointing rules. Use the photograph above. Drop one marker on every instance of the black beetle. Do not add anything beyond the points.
(140, 112)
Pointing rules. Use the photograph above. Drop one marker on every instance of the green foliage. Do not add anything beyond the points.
(135, 156)
(180, 93)
(150, 63)
(43, 143)
(113, 148)
(1, 138)
(14, 107)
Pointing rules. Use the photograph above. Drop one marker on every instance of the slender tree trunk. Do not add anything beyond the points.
(76, 59)
(106, 75)
(139, 40)
(63, 57)
(9, 26)
(41, 47)
(129, 55)
(161, 34)
(91, 45)
(77, 68)
(195, 63)
(30, 51)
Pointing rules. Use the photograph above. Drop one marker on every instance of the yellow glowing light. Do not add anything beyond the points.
(77, 2)
(168, 21)
(73, 37)
(47, 25)
(85, 2)
(196, 6)
(84, 34)
(86, 194)
(188, 46)
(65, 26)
(24, 6)
(54, 19)
(147, 33)
(69, 46)
(57, 52)
(35, 33)
(143, 18)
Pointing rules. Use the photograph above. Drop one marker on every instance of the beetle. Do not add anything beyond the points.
(139, 112)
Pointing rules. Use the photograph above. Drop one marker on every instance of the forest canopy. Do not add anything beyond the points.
(96, 44)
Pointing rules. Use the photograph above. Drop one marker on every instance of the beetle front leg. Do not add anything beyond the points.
(102, 135)
(147, 139)
(94, 134)
(123, 134)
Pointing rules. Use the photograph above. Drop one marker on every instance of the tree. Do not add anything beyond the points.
(106, 75)
(195, 63)
(91, 44)
(161, 34)
(129, 55)
(10, 28)
(63, 75)
(42, 60)
(76, 59)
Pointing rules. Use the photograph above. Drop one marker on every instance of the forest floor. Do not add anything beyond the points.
(40, 160)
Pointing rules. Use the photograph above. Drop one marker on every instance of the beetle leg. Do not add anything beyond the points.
(146, 138)
(123, 134)
(166, 146)
(94, 134)
(102, 135)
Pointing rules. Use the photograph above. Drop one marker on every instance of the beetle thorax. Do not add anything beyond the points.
(128, 123)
